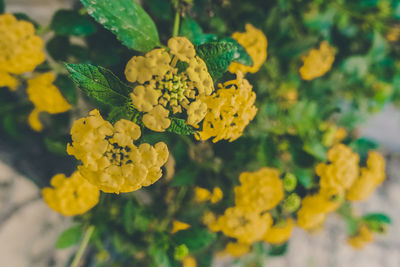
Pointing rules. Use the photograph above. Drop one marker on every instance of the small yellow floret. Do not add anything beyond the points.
(363, 237)
(317, 62)
(45, 97)
(71, 196)
(280, 233)
(255, 43)
(235, 249)
(178, 226)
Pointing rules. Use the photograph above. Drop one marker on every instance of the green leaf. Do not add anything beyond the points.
(193, 31)
(356, 66)
(99, 83)
(316, 149)
(126, 112)
(195, 238)
(218, 55)
(377, 217)
(241, 56)
(67, 88)
(10, 126)
(23, 16)
(57, 147)
(70, 22)
(185, 176)
(69, 237)
(304, 176)
(2, 6)
(278, 250)
(58, 47)
(127, 20)
(180, 127)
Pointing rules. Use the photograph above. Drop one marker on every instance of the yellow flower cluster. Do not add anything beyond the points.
(20, 49)
(279, 233)
(109, 157)
(317, 62)
(249, 220)
(235, 249)
(371, 177)
(71, 196)
(162, 87)
(203, 195)
(230, 110)
(363, 237)
(255, 43)
(45, 97)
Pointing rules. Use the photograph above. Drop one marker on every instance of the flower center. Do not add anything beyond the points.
(118, 155)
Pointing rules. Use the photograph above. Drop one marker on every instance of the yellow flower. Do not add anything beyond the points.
(178, 226)
(259, 191)
(363, 237)
(217, 195)
(71, 196)
(160, 88)
(314, 209)
(317, 62)
(247, 227)
(109, 157)
(371, 177)
(255, 43)
(201, 194)
(342, 171)
(230, 110)
(45, 97)
(280, 233)
(235, 249)
(189, 261)
(21, 50)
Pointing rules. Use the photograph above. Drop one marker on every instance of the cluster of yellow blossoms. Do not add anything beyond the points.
(71, 196)
(255, 43)
(162, 87)
(317, 62)
(362, 237)
(20, 49)
(230, 110)
(110, 159)
(203, 195)
(249, 220)
(340, 179)
(46, 97)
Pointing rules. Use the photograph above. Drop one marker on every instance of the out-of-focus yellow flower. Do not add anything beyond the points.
(109, 157)
(71, 196)
(45, 97)
(371, 177)
(189, 261)
(161, 88)
(280, 233)
(178, 226)
(314, 209)
(255, 43)
(21, 50)
(340, 174)
(363, 237)
(235, 249)
(393, 34)
(317, 62)
(230, 110)
(201, 194)
(259, 191)
(247, 227)
(217, 195)
(333, 135)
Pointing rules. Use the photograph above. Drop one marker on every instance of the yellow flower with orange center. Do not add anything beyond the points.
(317, 62)
(167, 82)
(255, 43)
(20, 49)
(110, 159)
(71, 196)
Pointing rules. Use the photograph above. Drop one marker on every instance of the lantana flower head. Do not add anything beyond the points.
(255, 43)
(46, 97)
(20, 49)
(168, 82)
(317, 62)
(259, 191)
(109, 157)
(230, 110)
(72, 195)
(371, 177)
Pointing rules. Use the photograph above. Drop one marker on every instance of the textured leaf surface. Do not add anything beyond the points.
(180, 127)
(127, 20)
(193, 31)
(240, 56)
(99, 83)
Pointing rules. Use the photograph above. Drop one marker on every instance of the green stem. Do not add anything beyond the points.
(175, 31)
(83, 246)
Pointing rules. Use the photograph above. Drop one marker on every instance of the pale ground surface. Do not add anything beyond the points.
(29, 229)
